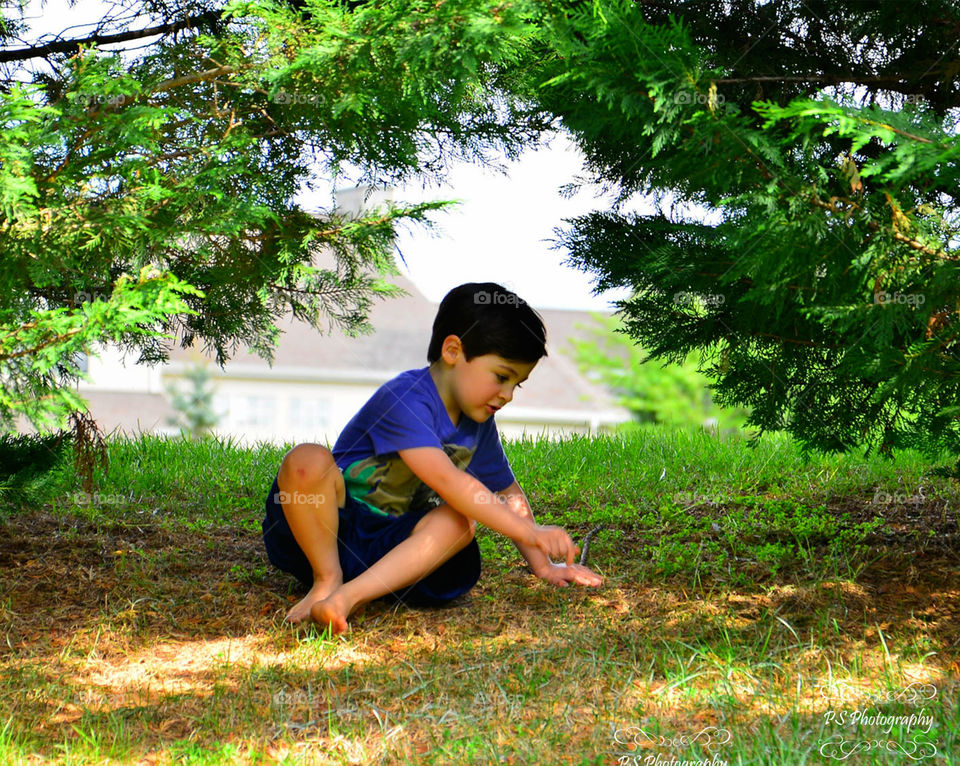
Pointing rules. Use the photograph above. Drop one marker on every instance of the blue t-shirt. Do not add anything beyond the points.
(404, 413)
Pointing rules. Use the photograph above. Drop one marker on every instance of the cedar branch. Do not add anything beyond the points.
(69, 46)
(874, 226)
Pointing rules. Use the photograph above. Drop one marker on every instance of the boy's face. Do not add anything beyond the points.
(486, 383)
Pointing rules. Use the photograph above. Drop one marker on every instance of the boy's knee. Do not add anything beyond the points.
(307, 465)
(466, 526)
(460, 527)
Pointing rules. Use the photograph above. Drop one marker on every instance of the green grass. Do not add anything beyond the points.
(207, 481)
(765, 595)
(692, 465)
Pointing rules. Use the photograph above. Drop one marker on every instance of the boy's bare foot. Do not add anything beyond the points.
(320, 590)
(331, 611)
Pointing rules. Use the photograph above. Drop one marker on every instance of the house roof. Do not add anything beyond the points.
(399, 342)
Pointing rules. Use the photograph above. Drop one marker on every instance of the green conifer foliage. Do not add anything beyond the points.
(149, 196)
(804, 158)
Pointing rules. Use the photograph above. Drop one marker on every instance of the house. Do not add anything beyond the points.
(317, 382)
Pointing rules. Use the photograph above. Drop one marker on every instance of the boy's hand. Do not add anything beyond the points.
(562, 575)
(555, 543)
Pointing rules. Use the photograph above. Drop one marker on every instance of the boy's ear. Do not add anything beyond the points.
(451, 349)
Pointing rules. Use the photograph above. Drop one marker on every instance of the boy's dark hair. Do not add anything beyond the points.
(489, 319)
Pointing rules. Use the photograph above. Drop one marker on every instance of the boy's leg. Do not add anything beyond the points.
(437, 537)
(311, 490)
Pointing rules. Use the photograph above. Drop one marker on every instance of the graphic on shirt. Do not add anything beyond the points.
(407, 412)
(386, 485)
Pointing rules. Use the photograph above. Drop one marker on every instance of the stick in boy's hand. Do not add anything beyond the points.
(566, 573)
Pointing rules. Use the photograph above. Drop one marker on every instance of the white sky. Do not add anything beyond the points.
(498, 233)
(501, 231)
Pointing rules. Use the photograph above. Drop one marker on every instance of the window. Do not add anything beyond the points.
(253, 410)
(310, 412)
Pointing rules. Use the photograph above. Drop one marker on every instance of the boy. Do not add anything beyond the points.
(392, 510)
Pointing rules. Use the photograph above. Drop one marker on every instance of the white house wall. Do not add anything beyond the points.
(281, 411)
(287, 408)
(113, 370)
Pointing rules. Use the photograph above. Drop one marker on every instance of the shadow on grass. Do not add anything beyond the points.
(133, 642)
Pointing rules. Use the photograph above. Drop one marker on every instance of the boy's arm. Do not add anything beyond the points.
(471, 498)
(540, 565)
(516, 501)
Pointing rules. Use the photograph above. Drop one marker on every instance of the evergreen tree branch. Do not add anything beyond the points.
(164, 86)
(40, 346)
(206, 19)
(830, 79)
(831, 206)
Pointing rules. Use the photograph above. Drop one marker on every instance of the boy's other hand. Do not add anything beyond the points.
(562, 575)
(555, 543)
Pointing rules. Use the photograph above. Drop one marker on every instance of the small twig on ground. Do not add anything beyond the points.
(586, 544)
